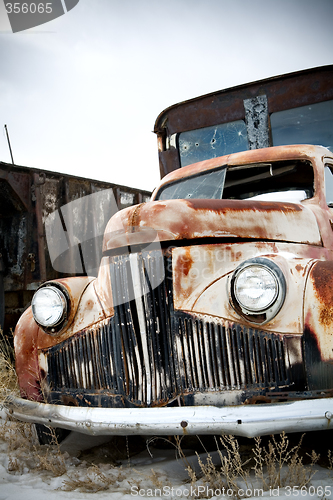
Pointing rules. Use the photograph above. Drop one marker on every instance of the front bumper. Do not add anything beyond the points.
(245, 420)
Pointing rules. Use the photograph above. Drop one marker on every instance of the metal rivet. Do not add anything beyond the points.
(183, 423)
(328, 415)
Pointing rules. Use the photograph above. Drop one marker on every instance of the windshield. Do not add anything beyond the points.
(208, 185)
(287, 181)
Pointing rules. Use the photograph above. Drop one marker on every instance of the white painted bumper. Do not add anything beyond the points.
(245, 420)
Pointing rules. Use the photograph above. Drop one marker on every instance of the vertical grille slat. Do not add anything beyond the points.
(247, 356)
(103, 348)
(163, 316)
(197, 354)
(213, 350)
(236, 358)
(219, 358)
(109, 367)
(185, 338)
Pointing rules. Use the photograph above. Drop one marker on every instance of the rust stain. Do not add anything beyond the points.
(69, 400)
(186, 262)
(183, 265)
(237, 256)
(134, 217)
(26, 359)
(258, 399)
(326, 316)
(322, 279)
(184, 424)
(89, 305)
(243, 206)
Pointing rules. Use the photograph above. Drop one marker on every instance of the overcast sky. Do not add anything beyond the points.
(80, 94)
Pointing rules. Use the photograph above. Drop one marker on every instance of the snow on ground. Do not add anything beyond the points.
(157, 473)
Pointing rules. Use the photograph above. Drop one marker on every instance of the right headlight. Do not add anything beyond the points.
(257, 289)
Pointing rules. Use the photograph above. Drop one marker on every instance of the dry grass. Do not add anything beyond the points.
(330, 460)
(231, 472)
(25, 454)
(93, 479)
(8, 379)
(268, 466)
(275, 465)
(279, 464)
(24, 451)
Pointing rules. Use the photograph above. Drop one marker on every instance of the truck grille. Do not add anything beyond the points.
(149, 354)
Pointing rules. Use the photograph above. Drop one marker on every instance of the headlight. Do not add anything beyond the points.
(258, 289)
(49, 306)
(255, 288)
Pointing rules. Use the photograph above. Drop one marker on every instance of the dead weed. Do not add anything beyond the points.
(271, 466)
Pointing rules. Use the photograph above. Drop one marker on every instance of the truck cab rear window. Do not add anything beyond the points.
(304, 125)
(211, 142)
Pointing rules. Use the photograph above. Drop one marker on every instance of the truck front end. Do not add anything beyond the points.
(211, 312)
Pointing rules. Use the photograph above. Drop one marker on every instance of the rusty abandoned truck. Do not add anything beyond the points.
(212, 311)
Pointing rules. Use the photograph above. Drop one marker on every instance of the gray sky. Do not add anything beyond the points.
(80, 94)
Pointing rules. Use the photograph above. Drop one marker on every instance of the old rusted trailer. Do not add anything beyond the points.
(27, 197)
(212, 311)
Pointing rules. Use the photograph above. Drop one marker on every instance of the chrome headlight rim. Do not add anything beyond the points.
(61, 294)
(269, 311)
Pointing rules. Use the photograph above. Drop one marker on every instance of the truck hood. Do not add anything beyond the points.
(172, 220)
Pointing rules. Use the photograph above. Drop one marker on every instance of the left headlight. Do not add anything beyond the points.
(49, 306)
(257, 289)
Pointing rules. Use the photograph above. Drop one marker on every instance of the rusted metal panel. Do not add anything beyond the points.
(283, 92)
(28, 197)
(189, 219)
(204, 218)
(318, 331)
(26, 357)
(201, 274)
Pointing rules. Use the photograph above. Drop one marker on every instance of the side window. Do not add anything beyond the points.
(304, 125)
(329, 186)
